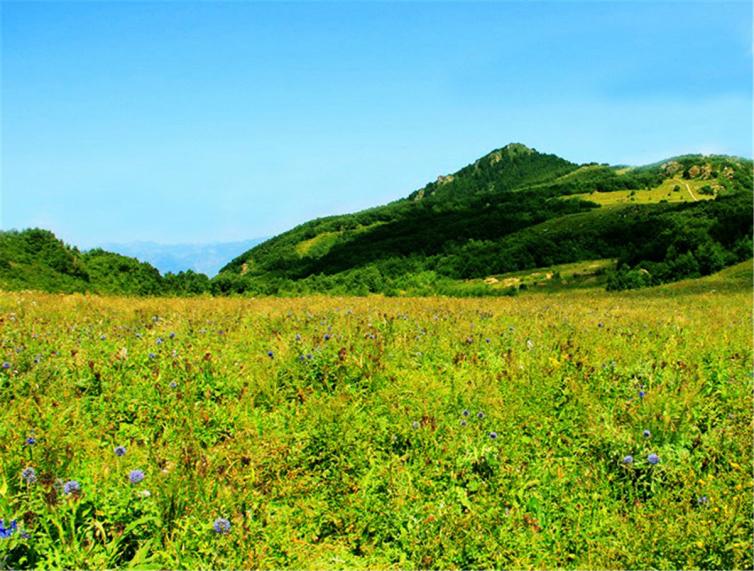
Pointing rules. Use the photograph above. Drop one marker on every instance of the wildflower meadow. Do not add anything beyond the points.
(576, 430)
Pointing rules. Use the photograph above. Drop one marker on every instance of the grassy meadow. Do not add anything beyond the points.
(670, 190)
(580, 429)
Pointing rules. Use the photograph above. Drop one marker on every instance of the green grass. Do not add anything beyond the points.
(346, 447)
(584, 274)
(665, 192)
(321, 243)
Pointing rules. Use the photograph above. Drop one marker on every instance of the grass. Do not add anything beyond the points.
(320, 243)
(584, 274)
(331, 433)
(689, 191)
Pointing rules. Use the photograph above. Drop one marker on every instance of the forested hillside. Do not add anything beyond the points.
(516, 209)
(36, 259)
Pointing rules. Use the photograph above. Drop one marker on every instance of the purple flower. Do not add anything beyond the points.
(628, 459)
(465, 412)
(120, 450)
(702, 500)
(493, 435)
(159, 341)
(6, 532)
(480, 414)
(647, 434)
(152, 355)
(653, 459)
(221, 525)
(136, 476)
(642, 394)
(270, 354)
(30, 441)
(172, 335)
(71, 487)
(29, 475)
(6, 365)
(327, 336)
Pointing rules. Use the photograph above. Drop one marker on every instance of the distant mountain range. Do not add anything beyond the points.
(202, 258)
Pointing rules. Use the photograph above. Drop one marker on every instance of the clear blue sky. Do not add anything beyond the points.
(197, 122)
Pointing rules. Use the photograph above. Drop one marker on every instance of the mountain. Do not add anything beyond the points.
(37, 259)
(516, 209)
(513, 219)
(201, 258)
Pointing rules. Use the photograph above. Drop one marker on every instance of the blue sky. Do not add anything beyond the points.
(213, 121)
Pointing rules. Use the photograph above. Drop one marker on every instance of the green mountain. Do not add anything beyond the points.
(516, 209)
(494, 227)
(37, 259)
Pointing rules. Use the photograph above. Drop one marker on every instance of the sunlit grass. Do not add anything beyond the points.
(671, 190)
(330, 432)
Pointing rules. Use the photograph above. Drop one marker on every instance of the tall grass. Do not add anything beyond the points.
(378, 432)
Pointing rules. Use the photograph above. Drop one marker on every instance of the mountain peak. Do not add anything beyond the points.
(512, 150)
(509, 151)
(518, 148)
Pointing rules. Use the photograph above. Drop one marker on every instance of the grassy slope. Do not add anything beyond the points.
(665, 192)
(338, 244)
(356, 456)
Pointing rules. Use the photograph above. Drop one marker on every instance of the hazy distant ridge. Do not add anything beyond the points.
(203, 258)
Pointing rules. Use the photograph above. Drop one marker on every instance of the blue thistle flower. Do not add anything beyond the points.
(136, 476)
(6, 532)
(172, 334)
(480, 414)
(642, 394)
(159, 341)
(465, 412)
(221, 525)
(702, 500)
(270, 354)
(30, 441)
(6, 365)
(71, 487)
(647, 434)
(628, 459)
(29, 475)
(120, 450)
(653, 459)
(152, 355)
(327, 336)
(493, 435)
